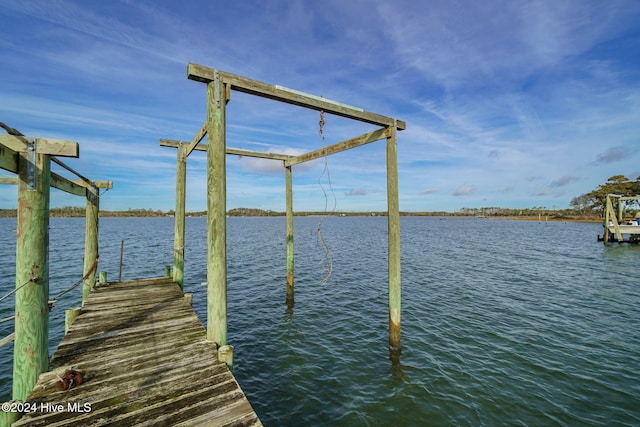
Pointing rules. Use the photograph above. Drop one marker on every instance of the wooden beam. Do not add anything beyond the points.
(97, 184)
(249, 153)
(9, 180)
(8, 159)
(197, 139)
(278, 93)
(54, 147)
(229, 150)
(68, 186)
(376, 135)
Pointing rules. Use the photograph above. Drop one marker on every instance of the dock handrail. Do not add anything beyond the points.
(30, 158)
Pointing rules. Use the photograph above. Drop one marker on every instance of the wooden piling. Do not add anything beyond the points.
(121, 261)
(103, 277)
(216, 213)
(188, 298)
(606, 220)
(70, 316)
(32, 268)
(90, 241)
(225, 354)
(394, 240)
(8, 418)
(289, 220)
(178, 235)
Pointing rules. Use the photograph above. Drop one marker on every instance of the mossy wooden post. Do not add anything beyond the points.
(394, 240)
(70, 316)
(178, 235)
(290, 255)
(216, 213)
(30, 355)
(90, 241)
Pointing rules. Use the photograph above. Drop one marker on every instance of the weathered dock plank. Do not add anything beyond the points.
(144, 360)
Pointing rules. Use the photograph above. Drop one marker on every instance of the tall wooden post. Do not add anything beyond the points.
(30, 355)
(216, 213)
(178, 237)
(394, 240)
(289, 198)
(90, 241)
(620, 211)
(607, 218)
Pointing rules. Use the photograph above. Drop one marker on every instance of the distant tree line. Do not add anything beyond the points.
(585, 206)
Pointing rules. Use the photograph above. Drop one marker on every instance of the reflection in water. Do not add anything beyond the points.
(397, 370)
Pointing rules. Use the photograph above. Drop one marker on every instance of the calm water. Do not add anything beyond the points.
(503, 322)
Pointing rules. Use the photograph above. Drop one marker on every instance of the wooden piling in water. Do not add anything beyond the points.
(394, 240)
(30, 356)
(90, 241)
(289, 220)
(216, 212)
(178, 235)
(121, 261)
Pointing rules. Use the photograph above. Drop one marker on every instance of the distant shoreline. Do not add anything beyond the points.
(142, 213)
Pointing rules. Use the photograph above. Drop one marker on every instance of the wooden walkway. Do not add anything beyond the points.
(145, 361)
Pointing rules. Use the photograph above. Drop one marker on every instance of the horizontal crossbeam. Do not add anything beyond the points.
(376, 135)
(278, 93)
(54, 147)
(234, 151)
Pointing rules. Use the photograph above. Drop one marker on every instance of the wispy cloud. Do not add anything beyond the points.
(464, 190)
(613, 154)
(563, 181)
(356, 192)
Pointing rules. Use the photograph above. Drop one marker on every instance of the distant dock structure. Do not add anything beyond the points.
(615, 227)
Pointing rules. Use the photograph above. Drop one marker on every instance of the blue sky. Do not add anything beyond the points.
(507, 103)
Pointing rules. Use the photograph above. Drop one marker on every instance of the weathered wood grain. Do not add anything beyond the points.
(242, 84)
(54, 147)
(145, 361)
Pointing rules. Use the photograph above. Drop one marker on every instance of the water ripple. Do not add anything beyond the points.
(503, 322)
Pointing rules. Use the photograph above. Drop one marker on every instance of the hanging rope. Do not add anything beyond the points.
(328, 254)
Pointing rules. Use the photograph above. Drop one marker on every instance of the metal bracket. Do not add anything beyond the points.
(31, 163)
(216, 82)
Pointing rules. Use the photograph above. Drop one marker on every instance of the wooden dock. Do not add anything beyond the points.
(144, 360)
